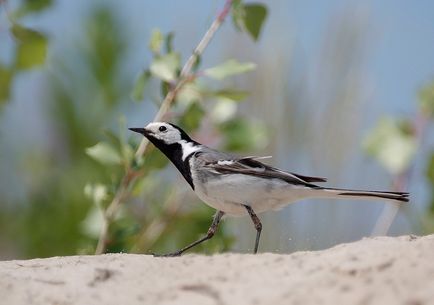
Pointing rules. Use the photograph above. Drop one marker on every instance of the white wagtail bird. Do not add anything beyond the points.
(240, 186)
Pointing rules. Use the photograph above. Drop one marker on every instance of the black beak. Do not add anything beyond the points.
(142, 131)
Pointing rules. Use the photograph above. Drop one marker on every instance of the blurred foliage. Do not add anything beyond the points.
(72, 179)
(395, 143)
(30, 45)
(51, 216)
(241, 135)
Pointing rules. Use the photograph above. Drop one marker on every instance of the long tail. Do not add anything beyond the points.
(367, 195)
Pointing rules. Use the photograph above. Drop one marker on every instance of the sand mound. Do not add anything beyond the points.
(382, 270)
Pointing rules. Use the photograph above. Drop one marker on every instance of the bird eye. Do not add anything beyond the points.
(162, 128)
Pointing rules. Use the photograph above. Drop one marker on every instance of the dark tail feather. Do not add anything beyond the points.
(398, 196)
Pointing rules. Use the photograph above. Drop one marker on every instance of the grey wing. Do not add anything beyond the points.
(222, 163)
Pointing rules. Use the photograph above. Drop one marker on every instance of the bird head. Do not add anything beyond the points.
(162, 132)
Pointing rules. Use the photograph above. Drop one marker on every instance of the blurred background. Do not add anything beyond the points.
(337, 89)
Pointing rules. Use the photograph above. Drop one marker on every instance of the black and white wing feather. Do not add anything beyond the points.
(251, 166)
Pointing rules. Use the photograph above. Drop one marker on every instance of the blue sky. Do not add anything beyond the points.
(400, 58)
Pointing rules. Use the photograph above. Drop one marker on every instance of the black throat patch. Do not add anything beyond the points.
(174, 153)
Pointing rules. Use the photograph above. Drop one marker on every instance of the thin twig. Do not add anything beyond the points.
(186, 70)
(184, 78)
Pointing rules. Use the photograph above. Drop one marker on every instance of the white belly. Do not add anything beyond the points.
(231, 192)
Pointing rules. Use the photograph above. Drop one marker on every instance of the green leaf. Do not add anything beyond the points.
(104, 153)
(5, 83)
(168, 42)
(23, 34)
(192, 117)
(31, 6)
(426, 100)
(30, 55)
(31, 48)
(392, 144)
(166, 67)
(142, 80)
(231, 95)
(249, 17)
(254, 18)
(156, 41)
(229, 68)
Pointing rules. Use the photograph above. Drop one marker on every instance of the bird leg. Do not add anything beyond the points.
(258, 226)
(211, 231)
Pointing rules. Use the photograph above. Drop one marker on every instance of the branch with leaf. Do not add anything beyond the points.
(184, 93)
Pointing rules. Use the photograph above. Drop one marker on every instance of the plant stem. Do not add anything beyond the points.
(184, 78)
(186, 70)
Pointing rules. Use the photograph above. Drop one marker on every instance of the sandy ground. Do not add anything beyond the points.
(381, 270)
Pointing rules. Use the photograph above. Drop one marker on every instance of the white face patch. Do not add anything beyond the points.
(164, 132)
(188, 148)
